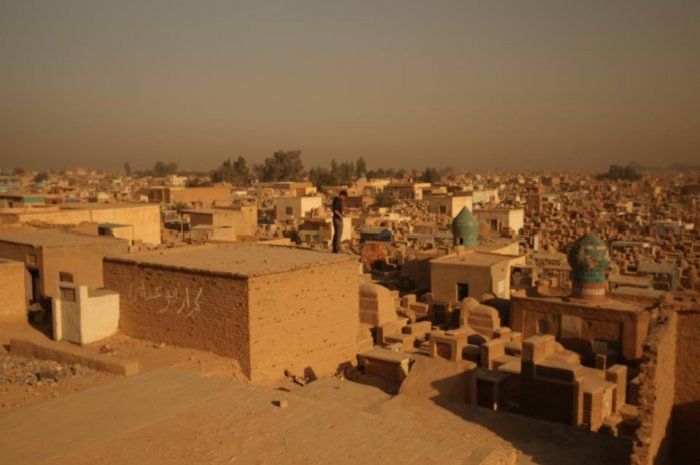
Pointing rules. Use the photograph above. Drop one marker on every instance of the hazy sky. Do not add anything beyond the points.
(470, 84)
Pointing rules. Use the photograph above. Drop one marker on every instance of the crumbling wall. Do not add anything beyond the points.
(686, 409)
(652, 443)
(205, 311)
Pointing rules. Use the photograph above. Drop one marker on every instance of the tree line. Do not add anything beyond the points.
(620, 173)
(287, 165)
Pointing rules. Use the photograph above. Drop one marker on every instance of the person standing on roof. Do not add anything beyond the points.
(338, 219)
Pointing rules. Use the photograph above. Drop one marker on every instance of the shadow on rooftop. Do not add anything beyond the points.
(546, 443)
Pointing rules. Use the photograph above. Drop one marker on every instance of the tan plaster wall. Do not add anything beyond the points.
(84, 262)
(13, 303)
(205, 196)
(445, 276)
(304, 319)
(244, 221)
(144, 218)
(20, 253)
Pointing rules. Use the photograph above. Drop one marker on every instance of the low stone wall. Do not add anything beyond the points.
(652, 443)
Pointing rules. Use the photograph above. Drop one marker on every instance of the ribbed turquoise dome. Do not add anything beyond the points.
(589, 260)
(465, 228)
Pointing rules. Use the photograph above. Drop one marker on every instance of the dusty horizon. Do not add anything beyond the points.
(518, 85)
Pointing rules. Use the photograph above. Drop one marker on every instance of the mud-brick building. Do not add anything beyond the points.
(50, 256)
(271, 308)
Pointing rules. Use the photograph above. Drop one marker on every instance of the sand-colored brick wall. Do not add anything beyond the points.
(652, 444)
(304, 319)
(183, 308)
(13, 300)
(686, 409)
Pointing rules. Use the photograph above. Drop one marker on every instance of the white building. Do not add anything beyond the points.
(293, 208)
(499, 219)
(448, 204)
(485, 196)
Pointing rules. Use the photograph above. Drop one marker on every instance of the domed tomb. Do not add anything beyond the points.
(589, 261)
(465, 228)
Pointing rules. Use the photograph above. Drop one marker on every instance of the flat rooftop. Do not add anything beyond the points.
(242, 260)
(50, 237)
(76, 206)
(610, 302)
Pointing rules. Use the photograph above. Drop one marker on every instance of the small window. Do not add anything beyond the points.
(289, 211)
(65, 277)
(68, 294)
(462, 291)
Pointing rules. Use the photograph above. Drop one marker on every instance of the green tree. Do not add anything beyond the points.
(360, 167)
(236, 172)
(430, 175)
(179, 206)
(346, 171)
(620, 173)
(282, 166)
(41, 177)
(384, 199)
(199, 181)
(161, 168)
(321, 177)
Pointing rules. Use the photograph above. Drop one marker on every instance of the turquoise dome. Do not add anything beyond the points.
(465, 228)
(589, 260)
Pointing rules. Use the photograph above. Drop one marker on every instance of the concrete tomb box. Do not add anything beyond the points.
(271, 308)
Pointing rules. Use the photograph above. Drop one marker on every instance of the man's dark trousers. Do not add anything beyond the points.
(337, 233)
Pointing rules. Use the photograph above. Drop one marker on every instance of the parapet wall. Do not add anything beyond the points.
(652, 443)
(686, 409)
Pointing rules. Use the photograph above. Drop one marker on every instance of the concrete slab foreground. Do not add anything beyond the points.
(178, 417)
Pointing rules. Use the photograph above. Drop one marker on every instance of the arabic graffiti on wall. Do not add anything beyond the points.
(171, 298)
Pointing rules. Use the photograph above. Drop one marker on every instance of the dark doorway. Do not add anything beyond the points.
(35, 290)
(462, 291)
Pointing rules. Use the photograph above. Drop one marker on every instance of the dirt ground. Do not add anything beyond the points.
(21, 381)
(182, 391)
(25, 380)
